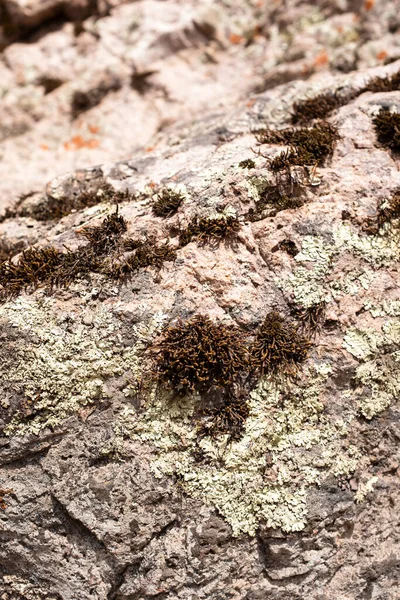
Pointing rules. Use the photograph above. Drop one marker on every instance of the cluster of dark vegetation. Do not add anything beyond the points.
(147, 253)
(390, 83)
(320, 107)
(104, 254)
(323, 105)
(387, 127)
(55, 208)
(85, 100)
(9, 249)
(199, 354)
(284, 193)
(287, 246)
(278, 346)
(203, 229)
(227, 416)
(310, 318)
(223, 364)
(388, 212)
(140, 81)
(167, 203)
(307, 146)
(248, 163)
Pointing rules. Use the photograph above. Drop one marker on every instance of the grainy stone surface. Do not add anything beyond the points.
(106, 489)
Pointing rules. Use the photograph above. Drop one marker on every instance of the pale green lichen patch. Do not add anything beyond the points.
(287, 423)
(310, 283)
(63, 360)
(379, 373)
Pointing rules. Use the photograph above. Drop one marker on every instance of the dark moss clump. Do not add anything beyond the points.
(278, 346)
(200, 354)
(167, 203)
(55, 208)
(49, 267)
(37, 267)
(307, 146)
(248, 163)
(388, 212)
(283, 194)
(85, 100)
(390, 83)
(140, 81)
(105, 237)
(147, 253)
(287, 246)
(204, 229)
(227, 417)
(387, 127)
(319, 107)
(312, 318)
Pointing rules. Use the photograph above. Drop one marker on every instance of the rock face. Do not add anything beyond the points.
(281, 482)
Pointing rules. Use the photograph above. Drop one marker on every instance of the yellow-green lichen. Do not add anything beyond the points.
(63, 359)
(379, 373)
(286, 422)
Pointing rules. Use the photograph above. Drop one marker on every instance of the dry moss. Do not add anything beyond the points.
(390, 83)
(50, 268)
(307, 146)
(50, 208)
(167, 203)
(387, 127)
(205, 228)
(199, 354)
(248, 163)
(147, 253)
(319, 107)
(287, 246)
(278, 346)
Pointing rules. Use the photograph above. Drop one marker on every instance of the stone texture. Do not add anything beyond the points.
(106, 493)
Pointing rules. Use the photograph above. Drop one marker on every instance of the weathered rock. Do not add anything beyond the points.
(110, 486)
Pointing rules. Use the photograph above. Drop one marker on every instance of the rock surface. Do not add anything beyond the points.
(107, 489)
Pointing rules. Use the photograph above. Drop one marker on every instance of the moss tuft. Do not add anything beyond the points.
(199, 354)
(287, 246)
(51, 208)
(311, 318)
(147, 253)
(390, 83)
(167, 203)
(306, 145)
(49, 267)
(319, 107)
(105, 237)
(278, 346)
(205, 228)
(387, 127)
(248, 163)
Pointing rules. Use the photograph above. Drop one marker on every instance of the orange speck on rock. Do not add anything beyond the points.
(234, 38)
(44, 146)
(321, 59)
(93, 129)
(251, 103)
(152, 184)
(77, 142)
(382, 55)
(369, 4)
(150, 148)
